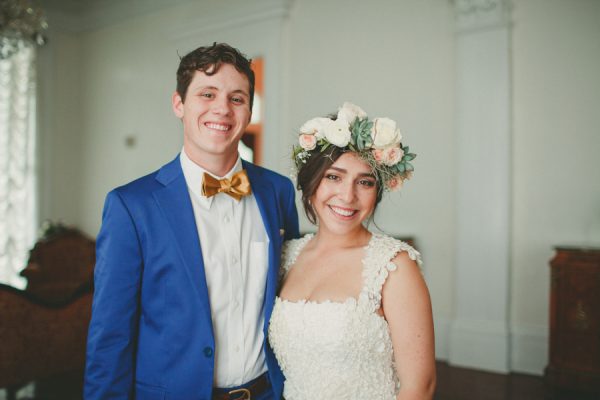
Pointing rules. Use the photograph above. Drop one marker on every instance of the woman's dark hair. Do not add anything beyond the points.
(209, 59)
(311, 173)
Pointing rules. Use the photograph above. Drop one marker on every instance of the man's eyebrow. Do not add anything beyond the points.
(240, 91)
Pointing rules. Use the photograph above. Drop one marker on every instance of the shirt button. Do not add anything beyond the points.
(226, 219)
(208, 352)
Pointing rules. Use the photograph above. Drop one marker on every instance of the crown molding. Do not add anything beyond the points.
(476, 15)
(97, 15)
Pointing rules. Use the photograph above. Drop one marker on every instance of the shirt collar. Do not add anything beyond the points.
(194, 176)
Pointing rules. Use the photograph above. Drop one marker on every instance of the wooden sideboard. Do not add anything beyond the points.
(574, 360)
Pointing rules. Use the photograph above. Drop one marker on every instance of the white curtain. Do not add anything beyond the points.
(17, 163)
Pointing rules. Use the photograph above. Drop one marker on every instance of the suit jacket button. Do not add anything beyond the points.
(208, 352)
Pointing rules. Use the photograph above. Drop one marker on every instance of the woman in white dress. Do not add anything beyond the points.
(353, 317)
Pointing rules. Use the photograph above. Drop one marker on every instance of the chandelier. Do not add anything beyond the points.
(22, 23)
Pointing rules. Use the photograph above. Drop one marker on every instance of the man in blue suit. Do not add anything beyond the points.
(188, 256)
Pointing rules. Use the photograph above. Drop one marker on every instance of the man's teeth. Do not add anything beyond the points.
(343, 212)
(217, 126)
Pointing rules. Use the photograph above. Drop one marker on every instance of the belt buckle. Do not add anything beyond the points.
(243, 391)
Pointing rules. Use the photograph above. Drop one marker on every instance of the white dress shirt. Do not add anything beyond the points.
(234, 246)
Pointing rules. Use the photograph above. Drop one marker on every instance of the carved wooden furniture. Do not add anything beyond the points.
(43, 328)
(574, 363)
(59, 264)
(40, 341)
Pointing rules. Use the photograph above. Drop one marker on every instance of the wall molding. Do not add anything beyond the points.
(98, 15)
(475, 15)
(92, 16)
(479, 335)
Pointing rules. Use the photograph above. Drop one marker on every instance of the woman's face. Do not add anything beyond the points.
(346, 195)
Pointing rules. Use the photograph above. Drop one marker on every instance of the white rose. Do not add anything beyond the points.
(307, 142)
(315, 126)
(337, 133)
(385, 133)
(348, 112)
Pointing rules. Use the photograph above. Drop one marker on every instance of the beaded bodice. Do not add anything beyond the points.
(338, 350)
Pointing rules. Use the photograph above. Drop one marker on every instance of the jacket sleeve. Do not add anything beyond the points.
(112, 335)
(291, 214)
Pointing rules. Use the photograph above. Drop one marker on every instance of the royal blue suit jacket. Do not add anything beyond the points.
(150, 336)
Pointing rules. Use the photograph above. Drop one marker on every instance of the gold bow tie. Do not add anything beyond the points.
(237, 187)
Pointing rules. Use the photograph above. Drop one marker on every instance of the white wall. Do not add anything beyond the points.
(556, 131)
(395, 59)
(59, 130)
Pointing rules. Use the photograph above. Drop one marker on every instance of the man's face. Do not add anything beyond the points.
(215, 114)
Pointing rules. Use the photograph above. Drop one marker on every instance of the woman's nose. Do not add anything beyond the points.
(346, 191)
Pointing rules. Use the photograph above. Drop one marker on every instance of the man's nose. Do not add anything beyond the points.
(221, 106)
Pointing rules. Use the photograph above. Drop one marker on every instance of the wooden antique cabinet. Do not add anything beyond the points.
(574, 360)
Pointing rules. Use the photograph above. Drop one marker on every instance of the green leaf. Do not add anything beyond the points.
(409, 167)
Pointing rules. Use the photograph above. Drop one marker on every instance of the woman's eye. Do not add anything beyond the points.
(238, 100)
(366, 182)
(207, 95)
(332, 177)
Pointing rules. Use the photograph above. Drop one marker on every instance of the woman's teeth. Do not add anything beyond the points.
(342, 211)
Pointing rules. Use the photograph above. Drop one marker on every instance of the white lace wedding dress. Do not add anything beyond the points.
(334, 350)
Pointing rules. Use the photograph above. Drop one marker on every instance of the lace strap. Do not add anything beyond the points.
(290, 251)
(378, 263)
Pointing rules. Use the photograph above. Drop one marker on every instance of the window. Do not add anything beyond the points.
(17, 162)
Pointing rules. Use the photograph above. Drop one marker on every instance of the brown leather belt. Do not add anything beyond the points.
(245, 392)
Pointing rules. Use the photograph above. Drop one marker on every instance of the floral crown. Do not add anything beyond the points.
(376, 141)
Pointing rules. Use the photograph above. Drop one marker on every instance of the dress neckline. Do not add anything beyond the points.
(303, 241)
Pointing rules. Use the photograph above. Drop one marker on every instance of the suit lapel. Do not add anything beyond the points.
(265, 198)
(174, 201)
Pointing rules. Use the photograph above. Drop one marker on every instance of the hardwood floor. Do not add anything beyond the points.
(454, 383)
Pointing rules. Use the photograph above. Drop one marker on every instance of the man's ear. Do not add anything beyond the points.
(177, 104)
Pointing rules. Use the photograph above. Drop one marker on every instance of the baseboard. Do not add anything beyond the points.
(529, 349)
(442, 331)
(484, 345)
(478, 344)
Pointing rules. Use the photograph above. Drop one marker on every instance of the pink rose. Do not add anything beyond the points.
(378, 155)
(392, 155)
(394, 183)
(307, 142)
